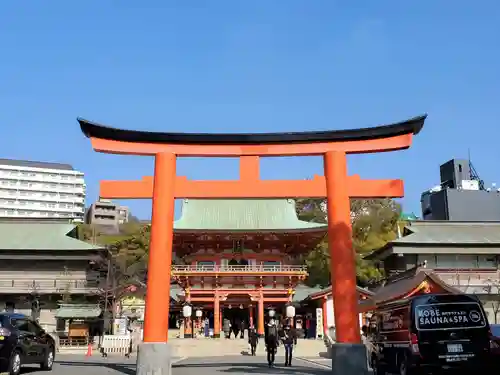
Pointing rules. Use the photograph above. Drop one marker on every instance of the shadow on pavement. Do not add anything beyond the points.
(243, 368)
(28, 370)
(257, 368)
(123, 368)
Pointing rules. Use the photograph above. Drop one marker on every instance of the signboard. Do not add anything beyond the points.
(120, 326)
(319, 323)
(78, 330)
(394, 320)
(459, 315)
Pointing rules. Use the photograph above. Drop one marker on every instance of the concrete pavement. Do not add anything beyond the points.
(235, 347)
(244, 365)
(118, 365)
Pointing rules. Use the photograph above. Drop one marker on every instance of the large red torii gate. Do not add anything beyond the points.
(165, 186)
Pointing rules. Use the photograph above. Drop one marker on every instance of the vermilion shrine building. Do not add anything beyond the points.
(241, 254)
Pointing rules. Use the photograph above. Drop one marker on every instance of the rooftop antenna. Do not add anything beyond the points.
(474, 175)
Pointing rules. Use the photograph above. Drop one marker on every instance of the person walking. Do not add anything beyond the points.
(253, 340)
(236, 328)
(226, 327)
(271, 340)
(242, 329)
(206, 326)
(289, 339)
(131, 337)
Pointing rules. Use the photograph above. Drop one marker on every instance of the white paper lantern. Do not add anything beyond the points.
(199, 313)
(290, 311)
(272, 313)
(187, 311)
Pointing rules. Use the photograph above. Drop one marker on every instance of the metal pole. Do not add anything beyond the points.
(105, 315)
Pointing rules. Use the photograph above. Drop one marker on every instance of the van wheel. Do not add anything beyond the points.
(377, 367)
(403, 368)
(15, 363)
(48, 362)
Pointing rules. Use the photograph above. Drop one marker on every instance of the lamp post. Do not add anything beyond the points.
(187, 311)
(290, 314)
(199, 314)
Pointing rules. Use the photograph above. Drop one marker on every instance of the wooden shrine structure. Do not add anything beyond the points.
(239, 254)
(336, 185)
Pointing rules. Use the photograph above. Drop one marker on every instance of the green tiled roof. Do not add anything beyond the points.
(451, 232)
(302, 292)
(241, 215)
(70, 311)
(174, 291)
(39, 236)
(408, 216)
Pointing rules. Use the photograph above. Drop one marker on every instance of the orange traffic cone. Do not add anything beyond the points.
(89, 351)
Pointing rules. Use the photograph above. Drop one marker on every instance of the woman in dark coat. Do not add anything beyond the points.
(253, 340)
(271, 339)
(242, 329)
(236, 327)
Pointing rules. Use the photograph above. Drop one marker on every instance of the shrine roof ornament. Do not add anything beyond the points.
(99, 131)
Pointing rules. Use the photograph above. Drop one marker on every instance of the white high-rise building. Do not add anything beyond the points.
(31, 189)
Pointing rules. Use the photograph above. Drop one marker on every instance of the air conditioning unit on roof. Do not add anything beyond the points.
(469, 185)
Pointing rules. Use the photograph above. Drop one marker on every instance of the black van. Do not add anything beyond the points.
(430, 332)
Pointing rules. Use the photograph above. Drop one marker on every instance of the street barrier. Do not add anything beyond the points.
(115, 344)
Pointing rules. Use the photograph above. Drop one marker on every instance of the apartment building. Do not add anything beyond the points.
(105, 212)
(31, 189)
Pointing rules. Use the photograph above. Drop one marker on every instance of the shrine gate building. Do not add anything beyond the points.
(241, 256)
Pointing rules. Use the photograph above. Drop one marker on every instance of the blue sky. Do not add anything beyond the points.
(251, 66)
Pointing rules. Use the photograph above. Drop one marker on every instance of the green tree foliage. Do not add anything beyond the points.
(129, 247)
(131, 253)
(374, 223)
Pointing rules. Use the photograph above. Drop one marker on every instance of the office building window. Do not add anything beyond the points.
(487, 261)
(456, 261)
(429, 258)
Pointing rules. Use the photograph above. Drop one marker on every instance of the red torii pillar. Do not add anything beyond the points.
(336, 186)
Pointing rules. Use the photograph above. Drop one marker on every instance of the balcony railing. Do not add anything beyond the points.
(48, 286)
(239, 269)
(40, 197)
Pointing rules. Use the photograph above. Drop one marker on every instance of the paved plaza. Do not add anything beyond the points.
(114, 365)
(245, 365)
